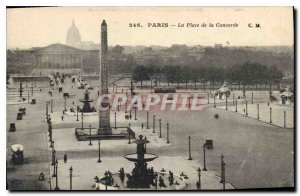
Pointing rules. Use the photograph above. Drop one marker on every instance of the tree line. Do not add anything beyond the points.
(248, 73)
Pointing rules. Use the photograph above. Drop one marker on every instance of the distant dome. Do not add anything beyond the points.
(73, 35)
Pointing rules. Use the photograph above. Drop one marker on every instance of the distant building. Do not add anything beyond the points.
(218, 45)
(59, 58)
(73, 39)
(73, 35)
(74, 57)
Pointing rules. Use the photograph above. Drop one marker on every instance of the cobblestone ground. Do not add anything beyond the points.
(254, 151)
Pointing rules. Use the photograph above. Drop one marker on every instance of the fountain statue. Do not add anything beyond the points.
(141, 176)
(86, 103)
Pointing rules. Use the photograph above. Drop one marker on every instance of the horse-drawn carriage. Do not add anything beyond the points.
(17, 156)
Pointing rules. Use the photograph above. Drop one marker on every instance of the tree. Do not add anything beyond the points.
(274, 77)
(186, 75)
(140, 74)
(169, 73)
(194, 74)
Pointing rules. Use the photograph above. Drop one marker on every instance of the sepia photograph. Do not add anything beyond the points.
(150, 98)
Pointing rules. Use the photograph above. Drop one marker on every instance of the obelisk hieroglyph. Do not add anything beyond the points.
(104, 115)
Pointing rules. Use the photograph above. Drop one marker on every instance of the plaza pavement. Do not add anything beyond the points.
(254, 151)
(85, 168)
(277, 115)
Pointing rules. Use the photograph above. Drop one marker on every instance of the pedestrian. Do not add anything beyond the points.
(42, 176)
(62, 118)
(73, 102)
(142, 126)
(65, 158)
(63, 112)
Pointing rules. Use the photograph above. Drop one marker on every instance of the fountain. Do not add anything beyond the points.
(141, 177)
(86, 103)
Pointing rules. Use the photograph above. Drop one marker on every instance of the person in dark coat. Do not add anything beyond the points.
(65, 158)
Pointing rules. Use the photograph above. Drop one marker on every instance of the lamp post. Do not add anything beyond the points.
(126, 103)
(257, 111)
(53, 156)
(235, 105)
(252, 98)
(156, 180)
(56, 178)
(115, 120)
(226, 101)
(128, 130)
(65, 103)
(207, 98)
(270, 114)
(151, 84)
(90, 135)
(106, 176)
(99, 160)
(284, 119)
(190, 154)
(168, 133)
(51, 105)
(199, 178)
(21, 90)
(204, 161)
(160, 128)
(77, 112)
(32, 89)
(246, 108)
(222, 171)
(54, 168)
(50, 134)
(46, 108)
(81, 120)
(153, 124)
(147, 120)
(135, 113)
(214, 101)
(51, 142)
(71, 171)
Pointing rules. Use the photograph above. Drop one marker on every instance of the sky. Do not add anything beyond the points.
(39, 27)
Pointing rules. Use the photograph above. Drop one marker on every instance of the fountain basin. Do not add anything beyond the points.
(121, 185)
(134, 157)
(79, 113)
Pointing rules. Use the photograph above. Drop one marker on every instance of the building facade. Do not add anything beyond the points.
(56, 58)
(74, 57)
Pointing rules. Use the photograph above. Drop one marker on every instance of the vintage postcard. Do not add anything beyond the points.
(150, 98)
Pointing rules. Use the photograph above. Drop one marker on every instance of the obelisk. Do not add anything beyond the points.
(104, 115)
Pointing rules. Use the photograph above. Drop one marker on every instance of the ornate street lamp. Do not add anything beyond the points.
(204, 161)
(190, 154)
(99, 160)
(199, 178)
(71, 171)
